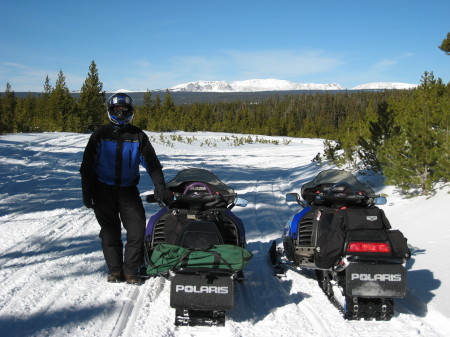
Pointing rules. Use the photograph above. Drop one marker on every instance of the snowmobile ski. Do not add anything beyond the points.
(275, 262)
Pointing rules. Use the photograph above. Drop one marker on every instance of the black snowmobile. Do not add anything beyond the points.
(199, 244)
(341, 234)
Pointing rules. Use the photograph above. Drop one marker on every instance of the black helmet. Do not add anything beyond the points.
(120, 109)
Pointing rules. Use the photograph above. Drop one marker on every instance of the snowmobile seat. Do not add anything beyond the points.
(200, 235)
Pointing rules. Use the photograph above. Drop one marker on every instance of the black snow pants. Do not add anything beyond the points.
(114, 205)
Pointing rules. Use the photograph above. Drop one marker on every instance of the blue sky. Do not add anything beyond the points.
(139, 45)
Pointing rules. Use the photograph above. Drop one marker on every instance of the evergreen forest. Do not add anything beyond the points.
(403, 134)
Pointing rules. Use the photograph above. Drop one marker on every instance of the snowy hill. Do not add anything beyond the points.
(53, 276)
(384, 85)
(258, 85)
(251, 86)
(278, 85)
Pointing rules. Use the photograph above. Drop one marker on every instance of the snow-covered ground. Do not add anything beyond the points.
(53, 277)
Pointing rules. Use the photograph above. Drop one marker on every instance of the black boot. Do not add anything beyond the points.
(133, 279)
(115, 277)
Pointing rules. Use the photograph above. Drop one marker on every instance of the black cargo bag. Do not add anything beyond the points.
(331, 238)
(173, 227)
(399, 244)
(365, 218)
(373, 218)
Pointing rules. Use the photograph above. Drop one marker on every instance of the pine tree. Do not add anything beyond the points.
(25, 112)
(143, 113)
(1, 114)
(148, 110)
(62, 105)
(445, 45)
(416, 155)
(379, 128)
(167, 119)
(443, 163)
(42, 118)
(91, 104)
(7, 110)
(158, 115)
(168, 105)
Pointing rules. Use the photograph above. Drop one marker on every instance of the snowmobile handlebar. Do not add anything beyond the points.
(151, 199)
(342, 197)
(335, 198)
(230, 200)
(197, 197)
(358, 198)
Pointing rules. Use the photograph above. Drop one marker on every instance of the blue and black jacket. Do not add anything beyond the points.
(113, 155)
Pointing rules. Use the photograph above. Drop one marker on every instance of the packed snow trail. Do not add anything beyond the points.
(53, 274)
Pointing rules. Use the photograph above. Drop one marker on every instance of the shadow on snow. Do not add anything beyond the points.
(421, 284)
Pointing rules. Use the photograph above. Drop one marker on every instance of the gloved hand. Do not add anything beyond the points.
(163, 194)
(87, 194)
(87, 200)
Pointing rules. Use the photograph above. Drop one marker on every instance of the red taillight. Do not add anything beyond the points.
(368, 247)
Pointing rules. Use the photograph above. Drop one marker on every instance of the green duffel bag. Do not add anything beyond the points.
(167, 257)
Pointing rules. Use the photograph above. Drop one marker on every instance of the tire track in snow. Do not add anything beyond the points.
(46, 234)
(262, 295)
(23, 296)
(30, 255)
(266, 218)
(405, 325)
(129, 313)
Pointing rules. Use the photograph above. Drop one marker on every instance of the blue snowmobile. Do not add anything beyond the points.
(341, 234)
(199, 244)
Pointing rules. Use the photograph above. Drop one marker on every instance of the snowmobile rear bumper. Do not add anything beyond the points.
(201, 299)
(375, 280)
(199, 318)
(202, 292)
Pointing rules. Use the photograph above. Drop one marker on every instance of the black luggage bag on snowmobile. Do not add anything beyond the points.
(341, 227)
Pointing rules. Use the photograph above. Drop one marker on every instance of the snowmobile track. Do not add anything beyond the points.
(129, 312)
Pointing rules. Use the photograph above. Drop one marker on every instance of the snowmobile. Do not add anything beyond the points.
(340, 233)
(199, 244)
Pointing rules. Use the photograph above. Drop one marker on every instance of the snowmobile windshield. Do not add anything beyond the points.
(198, 175)
(329, 178)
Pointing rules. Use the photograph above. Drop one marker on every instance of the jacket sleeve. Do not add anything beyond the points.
(87, 168)
(151, 162)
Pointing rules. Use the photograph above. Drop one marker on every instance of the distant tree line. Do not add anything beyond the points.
(402, 133)
(55, 109)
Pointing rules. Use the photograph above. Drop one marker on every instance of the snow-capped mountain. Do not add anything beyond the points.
(256, 85)
(384, 85)
(251, 86)
(199, 86)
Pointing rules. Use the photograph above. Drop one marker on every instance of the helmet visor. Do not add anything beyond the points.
(121, 99)
(121, 111)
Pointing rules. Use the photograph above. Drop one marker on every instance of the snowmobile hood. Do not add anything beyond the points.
(331, 177)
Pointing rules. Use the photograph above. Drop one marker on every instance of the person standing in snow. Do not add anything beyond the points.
(109, 178)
